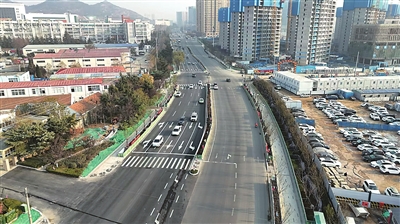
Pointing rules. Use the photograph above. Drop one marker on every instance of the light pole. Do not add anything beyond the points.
(213, 34)
(156, 50)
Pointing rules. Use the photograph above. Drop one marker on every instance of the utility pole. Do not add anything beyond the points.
(213, 34)
(28, 205)
(355, 69)
(156, 50)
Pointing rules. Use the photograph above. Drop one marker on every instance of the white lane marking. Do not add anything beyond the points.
(194, 129)
(159, 197)
(172, 212)
(232, 211)
(152, 211)
(198, 94)
(170, 126)
(166, 160)
(244, 158)
(196, 104)
(235, 174)
(188, 102)
(123, 164)
(170, 144)
(215, 132)
(155, 164)
(182, 186)
(134, 161)
(181, 145)
(177, 164)
(186, 176)
(147, 162)
(152, 161)
(216, 155)
(187, 164)
(162, 159)
(184, 161)
(235, 185)
(174, 113)
(140, 160)
(172, 166)
(171, 175)
(234, 197)
(179, 103)
(166, 185)
(184, 112)
(177, 198)
(169, 163)
(191, 94)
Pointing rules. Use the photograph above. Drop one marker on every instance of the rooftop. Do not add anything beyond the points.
(351, 78)
(376, 91)
(48, 83)
(53, 46)
(3, 144)
(111, 69)
(12, 73)
(114, 45)
(298, 77)
(11, 103)
(85, 53)
(86, 104)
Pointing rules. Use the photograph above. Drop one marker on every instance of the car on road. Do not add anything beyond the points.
(194, 75)
(392, 191)
(330, 162)
(379, 163)
(193, 117)
(191, 86)
(178, 94)
(387, 169)
(215, 87)
(177, 130)
(370, 186)
(200, 83)
(228, 80)
(158, 141)
(201, 100)
(181, 121)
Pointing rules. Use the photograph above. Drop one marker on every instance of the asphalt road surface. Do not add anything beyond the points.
(231, 186)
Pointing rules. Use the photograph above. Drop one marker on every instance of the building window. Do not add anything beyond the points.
(12, 80)
(101, 65)
(41, 62)
(58, 90)
(93, 88)
(33, 91)
(100, 59)
(57, 61)
(2, 93)
(76, 89)
(42, 91)
(18, 92)
(71, 60)
(86, 60)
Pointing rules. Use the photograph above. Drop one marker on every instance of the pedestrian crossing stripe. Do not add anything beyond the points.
(156, 162)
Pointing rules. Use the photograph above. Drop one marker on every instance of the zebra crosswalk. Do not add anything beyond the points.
(186, 86)
(157, 162)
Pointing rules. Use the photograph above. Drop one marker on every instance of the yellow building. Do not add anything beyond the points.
(7, 160)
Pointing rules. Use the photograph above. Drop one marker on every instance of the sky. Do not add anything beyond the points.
(162, 9)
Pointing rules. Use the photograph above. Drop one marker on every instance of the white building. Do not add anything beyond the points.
(311, 29)
(299, 83)
(139, 31)
(12, 11)
(66, 17)
(50, 48)
(113, 72)
(83, 57)
(162, 22)
(14, 77)
(79, 88)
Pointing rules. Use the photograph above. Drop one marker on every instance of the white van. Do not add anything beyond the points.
(193, 117)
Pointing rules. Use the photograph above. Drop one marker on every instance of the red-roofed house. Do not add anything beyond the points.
(85, 57)
(89, 72)
(78, 88)
(84, 107)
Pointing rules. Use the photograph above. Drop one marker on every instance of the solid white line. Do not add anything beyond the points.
(123, 164)
(172, 212)
(182, 186)
(186, 176)
(155, 164)
(152, 161)
(184, 161)
(234, 197)
(177, 164)
(152, 211)
(138, 161)
(159, 164)
(159, 197)
(174, 113)
(172, 166)
(215, 120)
(134, 161)
(171, 175)
(166, 185)
(191, 94)
(177, 198)
(166, 160)
(187, 164)
(169, 163)
(157, 216)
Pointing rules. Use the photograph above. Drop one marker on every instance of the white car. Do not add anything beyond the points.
(178, 94)
(158, 141)
(363, 147)
(398, 132)
(370, 186)
(191, 86)
(379, 163)
(342, 131)
(393, 157)
(392, 191)
(330, 162)
(374, 116)
(382, 143)
(391, 149)
(200, 83)
(193, 117)
(215, 87)
(387, 169)
(177, 130)
(397, 123)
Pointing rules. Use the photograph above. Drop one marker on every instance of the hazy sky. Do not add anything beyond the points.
(162, 9)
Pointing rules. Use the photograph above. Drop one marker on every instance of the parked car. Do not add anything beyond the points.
(360, 141)
(366, 148)
(379, 163)
(372, 157)
(387, 169)
(369, 133)
(330, 162)
(319, 144)
(353, 138)
(392, 191)
(382, 143)
(342, 131)
(374, 116)
(327, 155)
(391, 149)
(370, 186)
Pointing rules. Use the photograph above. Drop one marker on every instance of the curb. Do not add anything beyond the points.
(212, 130)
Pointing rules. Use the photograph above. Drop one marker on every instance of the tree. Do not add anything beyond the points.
(90, 46)
(67, 39)
(76, 65)
(31, 66)
(62, 64)
(178, 57)
(49, 68)
(38, 72)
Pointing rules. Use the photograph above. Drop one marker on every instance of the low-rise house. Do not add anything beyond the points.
(84, 110)
(7, 160)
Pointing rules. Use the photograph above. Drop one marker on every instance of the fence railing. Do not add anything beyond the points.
(382, 127)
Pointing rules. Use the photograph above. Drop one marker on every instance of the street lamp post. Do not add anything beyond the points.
(156, 50)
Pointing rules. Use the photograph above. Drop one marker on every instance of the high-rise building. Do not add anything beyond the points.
(393, 11)
(311, 28)
(192, 15)
(12, 11)
(253, 29)
(207, 16)
(337, 33)
(357, 12)
(181, 18)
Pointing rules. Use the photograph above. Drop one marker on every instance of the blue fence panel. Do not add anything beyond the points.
(305, 121)
(381, 127)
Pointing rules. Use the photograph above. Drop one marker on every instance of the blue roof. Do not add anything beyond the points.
(376, 91)
(115, 45)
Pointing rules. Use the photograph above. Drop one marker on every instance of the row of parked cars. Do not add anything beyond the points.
(336, 111)
(376, 149)
(370, 186)
(379, 113)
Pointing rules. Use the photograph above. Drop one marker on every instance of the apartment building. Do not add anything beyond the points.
(66, 17)
(162, 22)
(207, 16)
(236, 22)
(357, 12)
(83, 57)
(181, 18)
(393, 11)
(311, 29)
(374, 43)
(338, 27)
(49, 48)
(224, 19)
(192, 15)
(12, 11)
(138, 31)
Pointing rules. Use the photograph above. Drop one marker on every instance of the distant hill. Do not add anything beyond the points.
(99, 10)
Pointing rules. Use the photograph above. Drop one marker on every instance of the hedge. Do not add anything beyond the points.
(34, 162)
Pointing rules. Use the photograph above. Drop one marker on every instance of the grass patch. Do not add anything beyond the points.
(34, 162)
